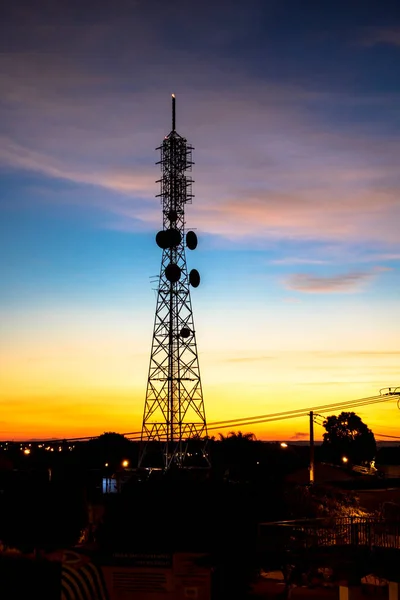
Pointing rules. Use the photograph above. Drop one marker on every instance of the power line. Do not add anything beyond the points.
(254, 420)
(293, 414)
(279, 416)
(331, 406)
(290, 413)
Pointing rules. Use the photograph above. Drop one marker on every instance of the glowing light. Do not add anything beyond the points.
(27, 451)
(125, 463)
(106, 465)
(284, 445)
(173, 95)
(345, 459)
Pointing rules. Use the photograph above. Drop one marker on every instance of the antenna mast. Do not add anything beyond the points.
(174, 408)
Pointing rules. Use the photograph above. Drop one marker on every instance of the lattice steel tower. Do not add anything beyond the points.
(174, 407)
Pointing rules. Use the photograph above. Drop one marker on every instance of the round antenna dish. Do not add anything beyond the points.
(172, 215)
(173, 273)
(191, 240)
(162, 240)
(185, 332)
(168, 238)
(194, 278)
(174, 237)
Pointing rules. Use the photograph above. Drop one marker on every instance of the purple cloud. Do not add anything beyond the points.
(314, 284)
(299, 436)
(381, 35)
(266, 167)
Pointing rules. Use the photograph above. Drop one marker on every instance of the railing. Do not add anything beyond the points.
(318, 533)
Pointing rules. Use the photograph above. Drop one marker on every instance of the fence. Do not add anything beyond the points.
(315, 533)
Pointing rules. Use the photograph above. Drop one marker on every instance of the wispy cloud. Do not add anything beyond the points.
(383, 257)
(249, 359)
(372, 36)
(315, 284)
(267, 167)
(292, 300)
(356, 353)
(345, 382)
(293, 260)
(300, 435)
(137, 181)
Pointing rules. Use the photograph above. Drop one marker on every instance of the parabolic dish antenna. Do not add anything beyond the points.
(172, 273)
(191, 240)
(168, 238)
(194, 278)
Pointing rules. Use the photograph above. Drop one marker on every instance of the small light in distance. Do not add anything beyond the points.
(345, 459)
(106, 465)
(27, 451)
(125, 463)
(284, 445)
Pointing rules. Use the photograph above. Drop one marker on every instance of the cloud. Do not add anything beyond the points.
(373, 36)
(382, 257)
(242, 359)
(313, 214)
(292, 300)
(314, 284)
(135, 181)
(299, 436)
(293, 260)
(330, 383)
(355, 353)
(267, 167)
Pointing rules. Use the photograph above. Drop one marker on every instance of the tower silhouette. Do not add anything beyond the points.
(174, 408)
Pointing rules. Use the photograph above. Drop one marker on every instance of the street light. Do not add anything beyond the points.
(125, 463)
(345, 459)
(284, 445)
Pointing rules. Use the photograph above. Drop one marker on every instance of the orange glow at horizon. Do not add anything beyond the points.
(79, 378)
(92, 412)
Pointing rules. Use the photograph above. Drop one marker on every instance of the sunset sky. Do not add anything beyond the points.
(293, 109)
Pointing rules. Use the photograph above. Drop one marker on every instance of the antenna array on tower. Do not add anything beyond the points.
(174, 408)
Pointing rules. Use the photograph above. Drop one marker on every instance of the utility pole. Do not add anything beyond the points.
(311, 447)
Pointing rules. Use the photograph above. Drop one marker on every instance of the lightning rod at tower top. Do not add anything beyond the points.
(173, 112)
(174, 415)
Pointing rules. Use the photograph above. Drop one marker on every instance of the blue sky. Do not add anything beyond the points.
(293, 110)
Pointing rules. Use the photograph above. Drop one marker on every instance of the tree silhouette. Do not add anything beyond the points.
(110, 448)
(347, 436)
(239, 455)
(237, 437)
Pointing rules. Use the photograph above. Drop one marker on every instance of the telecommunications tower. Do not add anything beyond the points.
(174, 408)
